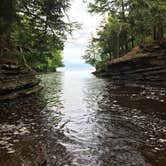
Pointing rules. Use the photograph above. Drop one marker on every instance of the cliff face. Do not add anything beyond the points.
(144, 64)
(16, 80)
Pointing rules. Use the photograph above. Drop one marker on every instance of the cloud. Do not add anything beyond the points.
(76, 45)
(74, 55)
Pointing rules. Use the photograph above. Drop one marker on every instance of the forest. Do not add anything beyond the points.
(34, 32)
(126, 24)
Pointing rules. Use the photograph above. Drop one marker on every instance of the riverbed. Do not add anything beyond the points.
(81, 120)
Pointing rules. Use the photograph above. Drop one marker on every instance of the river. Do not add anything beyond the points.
(81, 120)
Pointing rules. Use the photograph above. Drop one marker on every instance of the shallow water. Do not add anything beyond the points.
(81, 120)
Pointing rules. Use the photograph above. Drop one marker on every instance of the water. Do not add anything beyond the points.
(81, 120)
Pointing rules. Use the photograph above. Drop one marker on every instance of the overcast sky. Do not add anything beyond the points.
(77, 44)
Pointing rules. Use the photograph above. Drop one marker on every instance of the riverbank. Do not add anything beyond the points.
(144, 64)
(16, 80)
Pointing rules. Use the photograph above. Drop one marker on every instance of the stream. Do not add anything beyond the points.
(81, 120)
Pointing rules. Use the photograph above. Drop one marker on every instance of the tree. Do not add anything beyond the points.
(7, 16)
(91, 54)
(35, 29)
(128, 23)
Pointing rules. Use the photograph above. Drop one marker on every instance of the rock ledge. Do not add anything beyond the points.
(144, 64)
(16, 80)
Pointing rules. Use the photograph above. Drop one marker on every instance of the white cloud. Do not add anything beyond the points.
(76, 44)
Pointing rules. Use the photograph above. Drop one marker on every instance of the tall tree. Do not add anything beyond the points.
(7, 16)
(35, 28)
(128, 23)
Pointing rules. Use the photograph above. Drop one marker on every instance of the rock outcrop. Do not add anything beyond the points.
(144, 64)
(16, 80)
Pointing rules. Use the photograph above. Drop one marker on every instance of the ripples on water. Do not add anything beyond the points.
(85, 121)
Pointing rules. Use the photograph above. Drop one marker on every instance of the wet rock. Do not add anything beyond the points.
(16, 80)
(40, 158)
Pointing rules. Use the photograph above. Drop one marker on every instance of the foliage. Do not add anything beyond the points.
(128, 23)
(91, 54)
(36, 29)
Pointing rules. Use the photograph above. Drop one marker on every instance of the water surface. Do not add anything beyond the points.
(81, 120)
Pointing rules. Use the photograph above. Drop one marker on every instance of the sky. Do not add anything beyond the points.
(77, 43)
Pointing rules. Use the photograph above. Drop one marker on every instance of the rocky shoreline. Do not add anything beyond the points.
(16, 80)
(145, 64)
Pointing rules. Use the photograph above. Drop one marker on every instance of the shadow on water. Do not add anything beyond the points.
(28, 128)
(82, 120)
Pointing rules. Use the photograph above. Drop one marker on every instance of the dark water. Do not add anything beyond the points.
(81, 120)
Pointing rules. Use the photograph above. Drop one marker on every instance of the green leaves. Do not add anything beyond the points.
(37, 28)
(128, 23)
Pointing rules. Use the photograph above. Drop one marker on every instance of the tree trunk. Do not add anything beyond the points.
(126, 47)
(123, 11)
(161, 31)
(158, 32)
(118, 41)
(132, 41)
(154, 32)
(117, 49)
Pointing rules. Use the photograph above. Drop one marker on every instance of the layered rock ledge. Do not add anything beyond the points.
(144, 64)
(16, 80)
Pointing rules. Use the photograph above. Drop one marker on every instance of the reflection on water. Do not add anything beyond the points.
(82, 120)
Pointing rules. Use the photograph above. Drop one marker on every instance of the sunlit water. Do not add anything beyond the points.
(81, 120)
